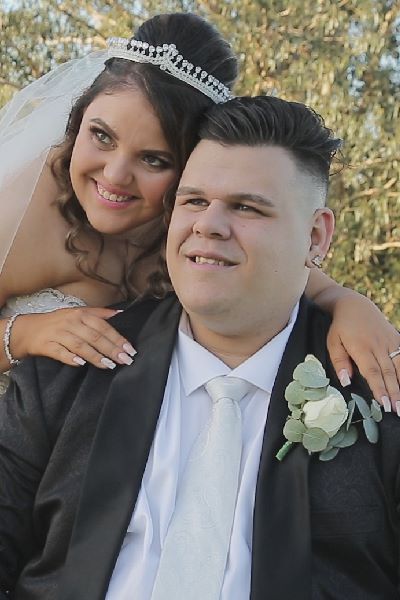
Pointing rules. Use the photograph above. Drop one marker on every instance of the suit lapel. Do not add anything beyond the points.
(281, 564)
(118, 458)
(281, 561)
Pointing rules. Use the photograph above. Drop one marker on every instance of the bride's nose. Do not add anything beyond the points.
(119, 171)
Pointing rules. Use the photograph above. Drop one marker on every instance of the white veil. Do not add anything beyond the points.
(30, 124)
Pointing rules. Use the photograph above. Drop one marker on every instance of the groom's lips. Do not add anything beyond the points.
(207, 258)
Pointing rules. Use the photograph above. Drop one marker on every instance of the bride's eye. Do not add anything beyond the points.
(156, 162)
(101, 136)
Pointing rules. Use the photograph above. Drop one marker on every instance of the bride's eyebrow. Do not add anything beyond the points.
(103, 125)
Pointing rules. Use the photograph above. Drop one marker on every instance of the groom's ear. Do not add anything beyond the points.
(323, 226)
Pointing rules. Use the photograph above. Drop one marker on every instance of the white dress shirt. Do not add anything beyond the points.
(185, 412)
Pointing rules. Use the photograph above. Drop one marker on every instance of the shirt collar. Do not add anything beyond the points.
(197, 365)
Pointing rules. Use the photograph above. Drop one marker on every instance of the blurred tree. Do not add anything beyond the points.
(340, 57)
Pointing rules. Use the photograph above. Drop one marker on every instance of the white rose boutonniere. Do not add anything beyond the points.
(320, 418)
(328, 414)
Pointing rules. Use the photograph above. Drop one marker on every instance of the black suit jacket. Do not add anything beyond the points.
(74, 445)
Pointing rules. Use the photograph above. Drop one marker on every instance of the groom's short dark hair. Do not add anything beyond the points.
(266, 120)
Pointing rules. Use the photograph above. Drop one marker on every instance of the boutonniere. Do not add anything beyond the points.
(320, 418)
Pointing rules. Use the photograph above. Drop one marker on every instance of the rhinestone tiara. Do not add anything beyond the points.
(168, 58)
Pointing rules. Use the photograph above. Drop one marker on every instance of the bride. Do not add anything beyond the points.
(82, 220)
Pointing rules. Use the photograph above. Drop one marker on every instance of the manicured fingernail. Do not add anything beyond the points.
(124, 358)
(344, 377)
(79, 361)
(129, 349)
(108, 363)
(387, 407)
(398, 408)
(118, 311)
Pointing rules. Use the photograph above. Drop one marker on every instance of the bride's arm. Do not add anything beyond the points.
(359, 333)
(71, 335)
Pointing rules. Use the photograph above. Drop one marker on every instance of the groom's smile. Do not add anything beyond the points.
(234, 240)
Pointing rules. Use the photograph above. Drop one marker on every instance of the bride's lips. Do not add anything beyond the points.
(113, 197)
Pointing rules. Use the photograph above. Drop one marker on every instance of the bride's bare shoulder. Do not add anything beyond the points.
(37, 255)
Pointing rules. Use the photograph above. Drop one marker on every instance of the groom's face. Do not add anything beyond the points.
(240, 234)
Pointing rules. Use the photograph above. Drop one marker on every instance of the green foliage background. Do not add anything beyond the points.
(340, 57)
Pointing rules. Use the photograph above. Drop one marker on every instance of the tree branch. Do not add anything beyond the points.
(76, 19)
(10, 84)
(385, 246)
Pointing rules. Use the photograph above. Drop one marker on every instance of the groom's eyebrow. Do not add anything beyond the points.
(236, 197)
(187, 191)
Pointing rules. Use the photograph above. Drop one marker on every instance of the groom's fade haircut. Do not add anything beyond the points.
(270, 121)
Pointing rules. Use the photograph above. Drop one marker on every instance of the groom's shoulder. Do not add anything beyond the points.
(133, 316)
(312, 323)
(56, 384)
(129, 322)
(316, 315)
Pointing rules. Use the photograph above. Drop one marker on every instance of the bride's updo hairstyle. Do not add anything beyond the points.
(178, 105)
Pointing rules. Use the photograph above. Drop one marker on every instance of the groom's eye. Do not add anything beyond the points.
(196, 202)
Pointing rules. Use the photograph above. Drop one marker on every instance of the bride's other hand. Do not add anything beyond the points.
(73, 336)
(360, 332)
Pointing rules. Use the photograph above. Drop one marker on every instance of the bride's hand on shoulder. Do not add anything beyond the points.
(73, 336)
(360, 333)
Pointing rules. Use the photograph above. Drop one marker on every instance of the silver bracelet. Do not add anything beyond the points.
(6, 341)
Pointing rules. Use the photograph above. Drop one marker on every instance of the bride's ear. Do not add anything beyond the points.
(321, 235)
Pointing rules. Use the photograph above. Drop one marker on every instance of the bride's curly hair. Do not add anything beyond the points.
(179, 108)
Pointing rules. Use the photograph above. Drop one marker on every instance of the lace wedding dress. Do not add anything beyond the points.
(40, 302)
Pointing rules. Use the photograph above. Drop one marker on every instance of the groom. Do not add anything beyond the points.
(94, 465)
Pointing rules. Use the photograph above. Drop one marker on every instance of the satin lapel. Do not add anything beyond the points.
(281, 564)
(118, 459)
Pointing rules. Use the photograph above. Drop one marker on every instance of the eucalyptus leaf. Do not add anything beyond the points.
(376, 411)
(350, 437)
(338, 437)
(313, 358)
(311, 373)
(362, 406)
(307, 367)
(294, 393)
(315, 393)
(315, 439)
(351, 405)
(296, 413)
(328, 454)
(294, 430)
(371, 430)
(311, 380)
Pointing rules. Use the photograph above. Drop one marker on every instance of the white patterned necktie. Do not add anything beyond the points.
(193, 558)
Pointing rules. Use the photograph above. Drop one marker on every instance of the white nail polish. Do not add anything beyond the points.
(108, 363)
(79, 361)
(344, 377)
(125, 359)
(398, 408)
(387, 407)
(129, 349)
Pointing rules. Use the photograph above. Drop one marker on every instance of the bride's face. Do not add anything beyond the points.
(121, 164)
